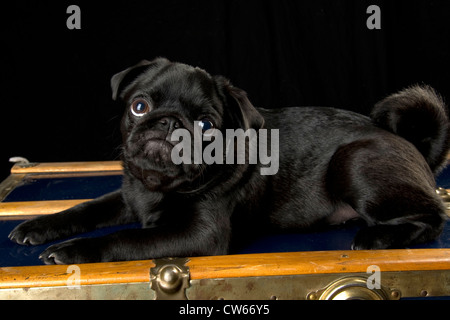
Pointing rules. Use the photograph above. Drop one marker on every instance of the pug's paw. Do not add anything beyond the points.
(73, 251)
(376, 238)
(33, 232)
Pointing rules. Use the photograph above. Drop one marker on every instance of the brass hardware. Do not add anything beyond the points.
(424, 284)
(394, 285)
(120, 291)
(445, 196)
(22, 162)
(8, 185)
(353, 288)
(295, 287)
(170, 278)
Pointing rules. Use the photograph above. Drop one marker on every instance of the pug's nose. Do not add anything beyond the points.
(169, 123)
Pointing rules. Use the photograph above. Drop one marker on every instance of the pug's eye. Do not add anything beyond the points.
(140, 107)
(205, 125)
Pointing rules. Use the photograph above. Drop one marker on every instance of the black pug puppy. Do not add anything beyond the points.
(334, 165)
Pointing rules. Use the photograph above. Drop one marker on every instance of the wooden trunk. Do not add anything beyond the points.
(315, 274)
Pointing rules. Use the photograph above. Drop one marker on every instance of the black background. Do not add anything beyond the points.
(56, 100)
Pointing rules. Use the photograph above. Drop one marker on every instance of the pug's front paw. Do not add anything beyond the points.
(33, 232)
(73, 251)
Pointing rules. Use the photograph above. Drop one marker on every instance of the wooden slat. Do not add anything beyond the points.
(58, 167)
(92, 273)
(247, 265)
(32, 208)
(314, 262)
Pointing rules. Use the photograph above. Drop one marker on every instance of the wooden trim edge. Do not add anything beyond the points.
(86, 166)
(35, 208)
(233, 266)
(62, 275)
(318, 262)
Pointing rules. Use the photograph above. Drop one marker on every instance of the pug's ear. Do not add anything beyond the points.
(120, 80)
(242, 111)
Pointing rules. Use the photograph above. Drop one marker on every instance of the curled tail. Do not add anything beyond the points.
(419, 115)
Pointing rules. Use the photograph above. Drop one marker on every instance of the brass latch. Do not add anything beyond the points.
(353, 288)
(170, 278)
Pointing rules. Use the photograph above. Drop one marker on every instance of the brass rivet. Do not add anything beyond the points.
(395, 294)
(312, 296)
(170, 279)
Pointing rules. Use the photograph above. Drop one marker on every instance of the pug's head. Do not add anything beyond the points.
(161, 96)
